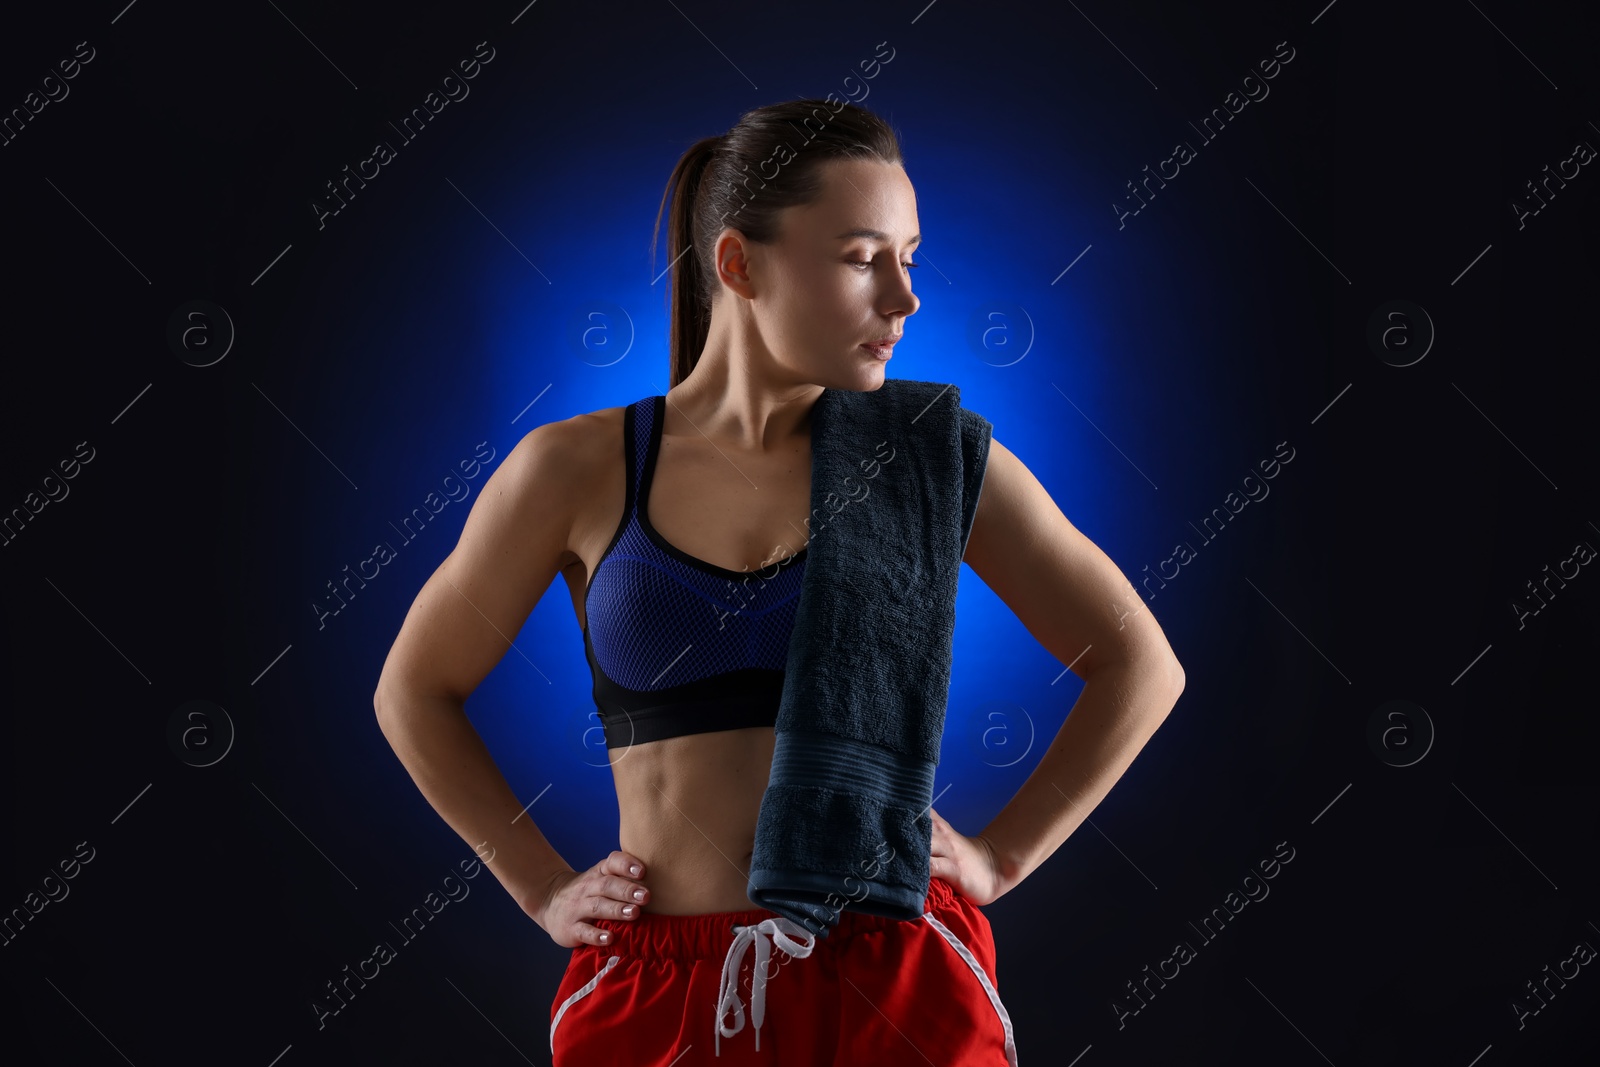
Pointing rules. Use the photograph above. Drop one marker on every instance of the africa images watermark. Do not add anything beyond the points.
(455, 489)
(52, 890)
(835, 503)
(1184, 153)
(385, 953)
(54, 89)
(783, 154)
(1185, 953)
(1582, 554)
(1569, 968)
(12, 525)
(383, 153)
(1582, 154)
(870, 868)
(1232, 505)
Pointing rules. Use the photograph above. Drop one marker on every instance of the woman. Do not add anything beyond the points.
(790, 274)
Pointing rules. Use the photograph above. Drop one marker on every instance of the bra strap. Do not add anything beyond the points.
(643, 421)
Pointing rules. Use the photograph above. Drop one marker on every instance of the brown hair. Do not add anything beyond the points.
(743, 179)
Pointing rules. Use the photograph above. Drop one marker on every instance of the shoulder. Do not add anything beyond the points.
(576, 440)
(593, 435)
(564, 457)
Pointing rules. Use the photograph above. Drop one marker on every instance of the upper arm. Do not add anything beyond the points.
(1068, 594)
(511, 549)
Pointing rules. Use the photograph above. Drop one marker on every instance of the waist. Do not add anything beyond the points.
(707, 936)
(704, 875)
(688, 808)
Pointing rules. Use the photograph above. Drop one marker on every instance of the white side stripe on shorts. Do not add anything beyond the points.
(579, 995)
(988, 987)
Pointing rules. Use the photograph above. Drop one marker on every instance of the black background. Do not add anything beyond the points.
(1420, 899)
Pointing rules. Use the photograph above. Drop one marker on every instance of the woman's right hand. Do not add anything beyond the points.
(607, 890)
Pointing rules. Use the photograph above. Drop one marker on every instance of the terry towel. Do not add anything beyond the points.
(844, 822)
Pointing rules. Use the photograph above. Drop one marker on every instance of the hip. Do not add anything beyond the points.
(735, 986)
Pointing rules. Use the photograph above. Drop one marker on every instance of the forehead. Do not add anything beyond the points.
(861, 194)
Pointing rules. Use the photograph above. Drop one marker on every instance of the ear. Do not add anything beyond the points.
(732, 262)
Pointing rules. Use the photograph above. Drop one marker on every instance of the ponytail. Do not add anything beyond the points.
(689, 302)
(746, 177)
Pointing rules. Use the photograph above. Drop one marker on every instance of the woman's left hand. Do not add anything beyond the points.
(967, 863)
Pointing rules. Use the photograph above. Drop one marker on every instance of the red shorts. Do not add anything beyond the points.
(875, 990)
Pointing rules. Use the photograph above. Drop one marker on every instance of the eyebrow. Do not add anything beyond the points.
(873, 235)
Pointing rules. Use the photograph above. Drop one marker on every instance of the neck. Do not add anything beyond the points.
(738, 396)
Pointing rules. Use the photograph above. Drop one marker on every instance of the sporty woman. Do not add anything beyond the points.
(790, 241)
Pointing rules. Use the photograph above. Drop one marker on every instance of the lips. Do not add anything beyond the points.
(881, 349)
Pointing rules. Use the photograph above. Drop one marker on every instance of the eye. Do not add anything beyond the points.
(868, 263)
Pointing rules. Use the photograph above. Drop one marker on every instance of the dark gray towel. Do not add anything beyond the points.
(845, 821)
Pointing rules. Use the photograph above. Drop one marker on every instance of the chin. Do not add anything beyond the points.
(853, 380)
(867, 378)
(876, 376)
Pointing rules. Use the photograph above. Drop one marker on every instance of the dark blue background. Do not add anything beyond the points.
(1176, 353)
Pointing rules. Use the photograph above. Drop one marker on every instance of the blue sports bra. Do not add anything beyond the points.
(677, 645)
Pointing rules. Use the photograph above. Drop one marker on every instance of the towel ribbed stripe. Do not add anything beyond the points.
(845, 766)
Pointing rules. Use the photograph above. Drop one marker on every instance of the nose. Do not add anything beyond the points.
(897, 297)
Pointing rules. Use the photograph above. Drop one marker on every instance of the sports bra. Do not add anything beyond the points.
(677, 645)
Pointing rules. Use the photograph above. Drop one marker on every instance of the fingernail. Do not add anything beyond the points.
(634, 870)
(638, 894)
(628, 910)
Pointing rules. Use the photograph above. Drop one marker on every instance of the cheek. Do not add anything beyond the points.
(816, 300)
(819, 282)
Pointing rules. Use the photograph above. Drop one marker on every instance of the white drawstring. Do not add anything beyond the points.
(784, 933)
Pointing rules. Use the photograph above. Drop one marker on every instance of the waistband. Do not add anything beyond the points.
(707, 937)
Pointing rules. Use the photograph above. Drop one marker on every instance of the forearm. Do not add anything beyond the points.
(452, 767)
(1120, 708)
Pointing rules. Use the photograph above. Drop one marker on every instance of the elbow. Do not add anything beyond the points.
(396, 690)
(390, 708)
(1174, 677)
(1163, 675)
(383, 697)
(1158, 677)
(400, 699)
